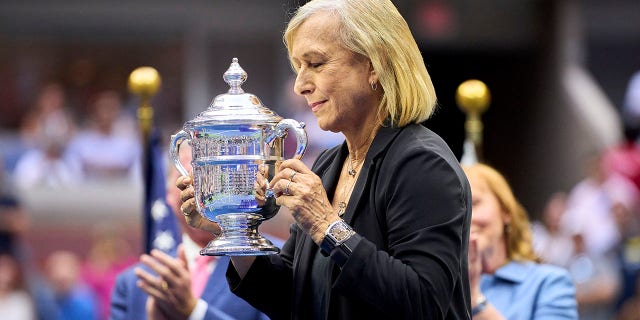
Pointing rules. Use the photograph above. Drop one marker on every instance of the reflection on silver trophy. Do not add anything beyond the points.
(231, 140)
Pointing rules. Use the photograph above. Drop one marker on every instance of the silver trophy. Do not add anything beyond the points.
(231, 140)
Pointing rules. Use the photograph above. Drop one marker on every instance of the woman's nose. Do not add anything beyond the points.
(303, 84)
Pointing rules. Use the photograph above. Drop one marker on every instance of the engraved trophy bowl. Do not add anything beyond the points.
(231, 140)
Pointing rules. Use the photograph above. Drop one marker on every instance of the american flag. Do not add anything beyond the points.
(161, 227)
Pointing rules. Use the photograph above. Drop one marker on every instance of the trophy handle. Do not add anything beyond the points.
(174, 149)
(298, 129)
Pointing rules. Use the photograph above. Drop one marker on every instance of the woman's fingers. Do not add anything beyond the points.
(188, 208)
(184, 182)
(187, 194)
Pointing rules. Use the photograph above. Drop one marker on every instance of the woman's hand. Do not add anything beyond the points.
(475, 267)
(260, 185)
(299, 189)
(189, 207)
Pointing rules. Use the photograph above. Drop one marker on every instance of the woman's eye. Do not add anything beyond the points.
(315, 64)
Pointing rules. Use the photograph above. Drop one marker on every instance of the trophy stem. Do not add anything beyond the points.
(239, 237)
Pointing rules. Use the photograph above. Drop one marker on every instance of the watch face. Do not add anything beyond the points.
(340, 232)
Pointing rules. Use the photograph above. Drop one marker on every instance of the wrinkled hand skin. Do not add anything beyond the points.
(189, 208)
(306, 199)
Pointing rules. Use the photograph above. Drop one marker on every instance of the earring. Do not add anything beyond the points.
(374, 86)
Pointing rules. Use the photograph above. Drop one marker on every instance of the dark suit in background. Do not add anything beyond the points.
(128, 301)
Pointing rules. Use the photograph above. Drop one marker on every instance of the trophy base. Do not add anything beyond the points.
(239, 237)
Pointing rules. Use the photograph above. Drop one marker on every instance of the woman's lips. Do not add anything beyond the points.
(316, 105)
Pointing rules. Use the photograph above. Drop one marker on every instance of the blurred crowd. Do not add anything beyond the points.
(593, 229)
(61, 149)
(66, 284)
(64, 149)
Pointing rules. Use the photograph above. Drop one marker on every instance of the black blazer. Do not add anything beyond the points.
(412, 206)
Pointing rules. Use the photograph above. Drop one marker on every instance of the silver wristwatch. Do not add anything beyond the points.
(337, 233)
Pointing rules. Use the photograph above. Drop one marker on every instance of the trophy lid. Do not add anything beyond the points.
(235, 106)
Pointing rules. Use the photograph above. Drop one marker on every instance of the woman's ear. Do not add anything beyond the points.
(373, 76)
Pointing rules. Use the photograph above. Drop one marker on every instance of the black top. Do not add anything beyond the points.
(412, 206)
(320, 287)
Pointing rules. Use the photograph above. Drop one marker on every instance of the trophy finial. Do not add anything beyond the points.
(235, 76)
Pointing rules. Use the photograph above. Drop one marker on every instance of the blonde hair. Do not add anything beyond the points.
(376, 30)
(517, 235)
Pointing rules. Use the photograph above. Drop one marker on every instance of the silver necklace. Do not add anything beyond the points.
(351, 167)
(352, 171)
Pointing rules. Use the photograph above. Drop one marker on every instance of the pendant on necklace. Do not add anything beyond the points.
(342, 205)
(352, 172)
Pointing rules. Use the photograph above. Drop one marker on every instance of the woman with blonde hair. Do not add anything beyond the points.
(507, 281)
(382, 221)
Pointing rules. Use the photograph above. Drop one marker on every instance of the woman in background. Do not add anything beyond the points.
(507, 282)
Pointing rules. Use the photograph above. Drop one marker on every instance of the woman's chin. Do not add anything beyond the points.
(324, 126)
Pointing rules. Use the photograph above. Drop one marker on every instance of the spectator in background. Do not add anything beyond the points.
(506, 280)
(49, 111)
(109, 255)
(105, 148)
(45, 165)
(603, 208)
(14, 223)
(195, 286)
(74, 299)
(46, 131)
(590, 203)
(596, 280)
(15, 301)
(551, 242)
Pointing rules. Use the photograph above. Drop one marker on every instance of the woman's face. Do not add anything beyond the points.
(487, 219)
(335, 81)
